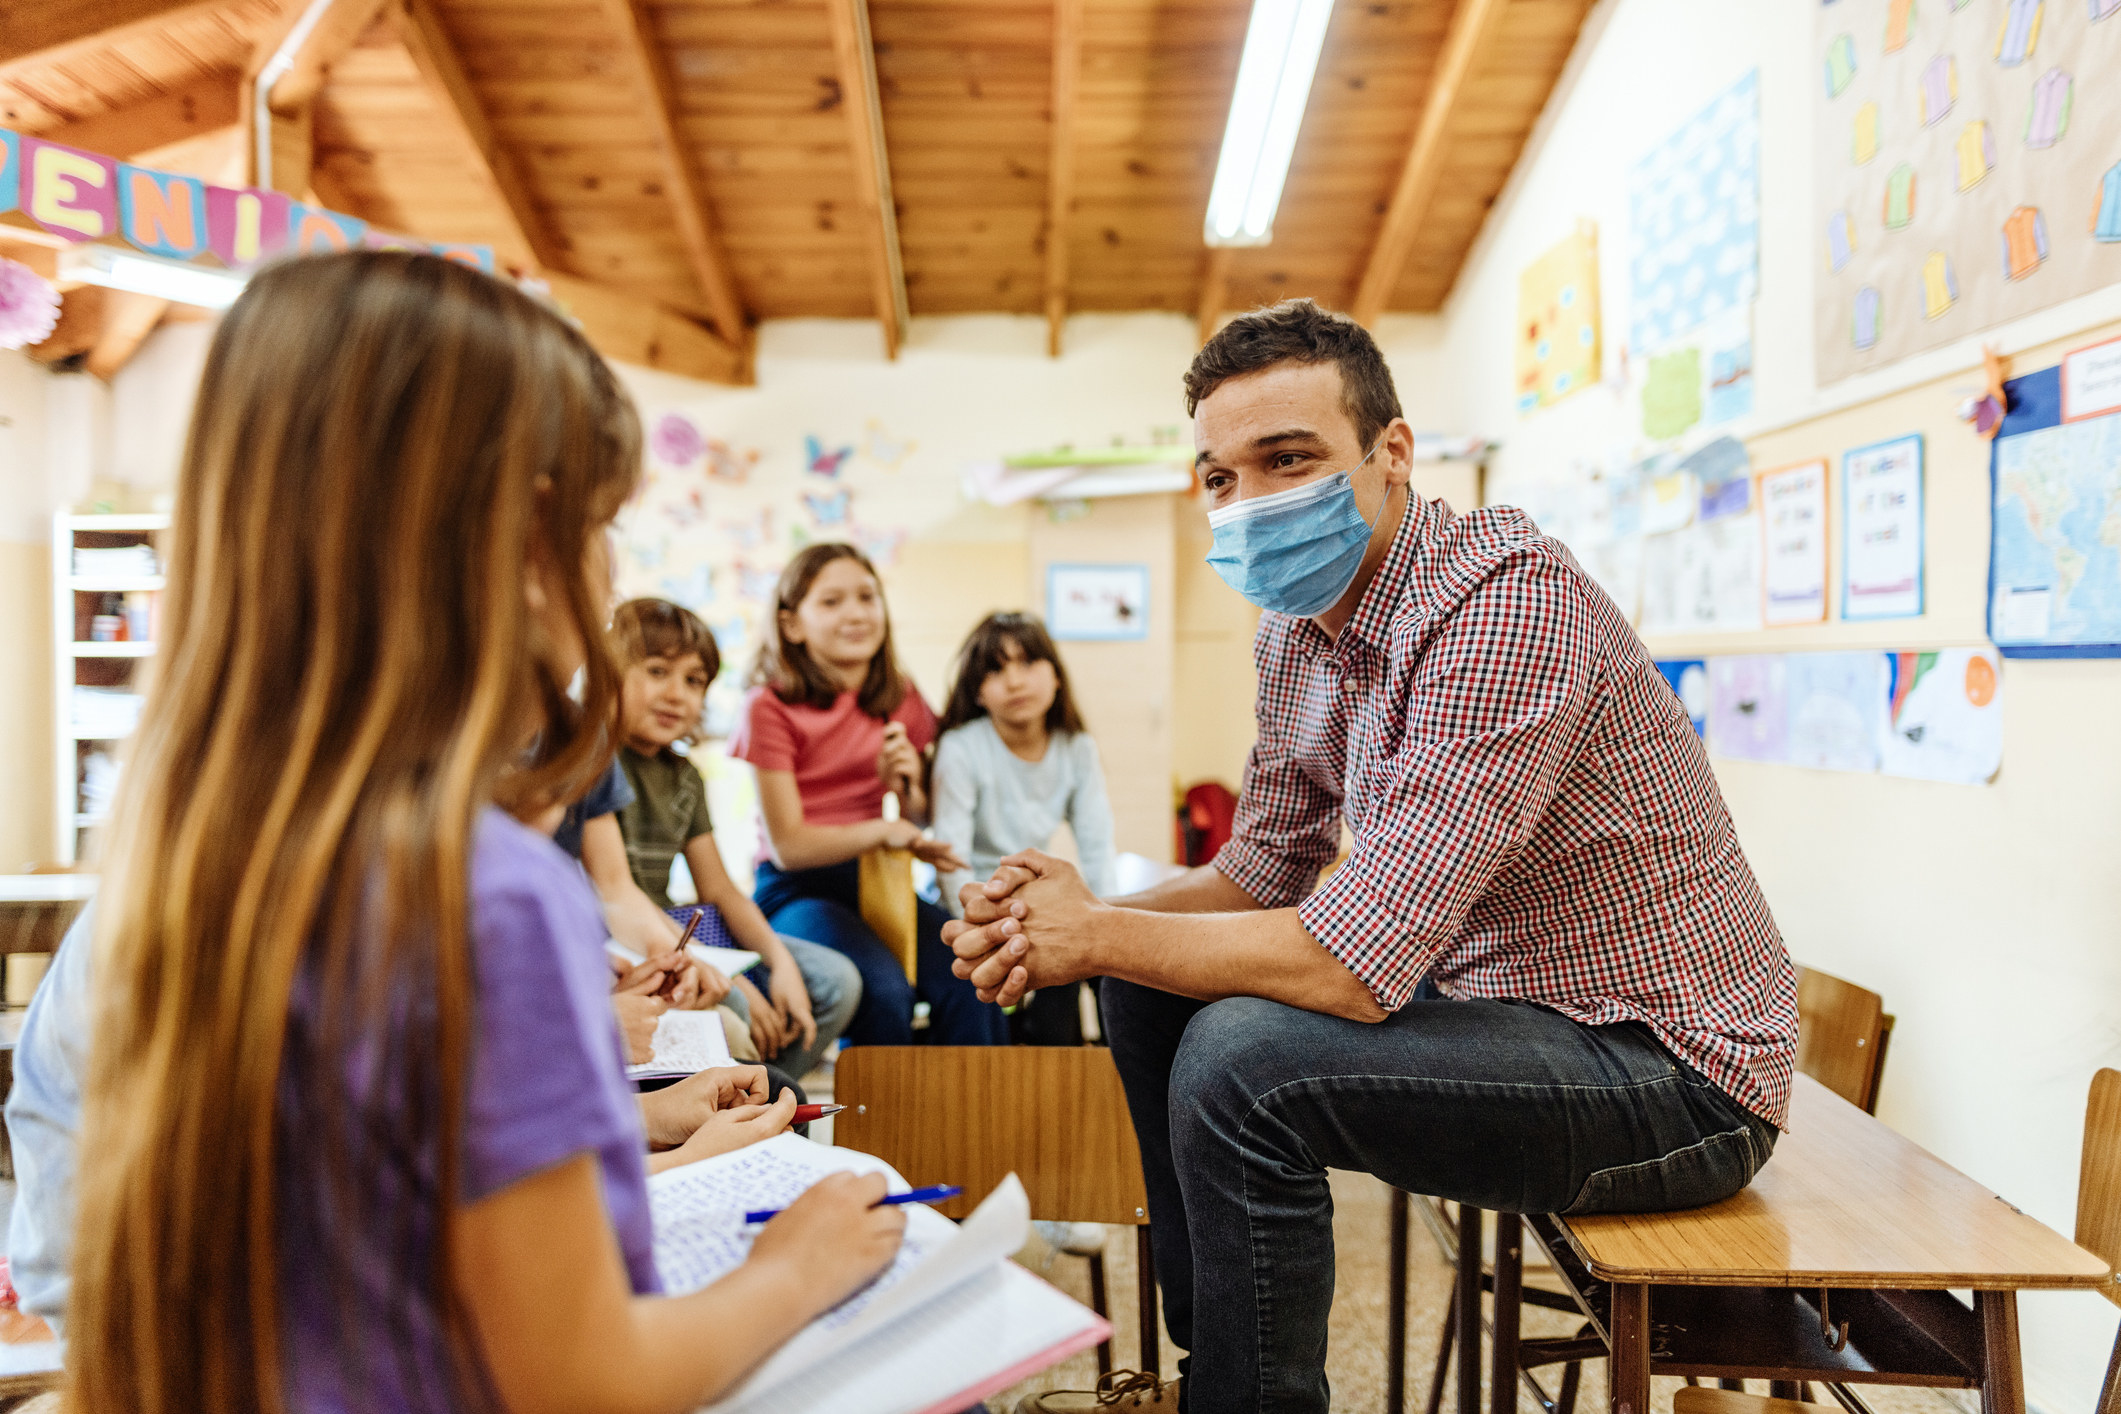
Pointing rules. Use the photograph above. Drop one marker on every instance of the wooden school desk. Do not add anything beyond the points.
(1835, 1266)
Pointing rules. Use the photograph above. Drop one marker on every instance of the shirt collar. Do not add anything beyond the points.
(1372, 621)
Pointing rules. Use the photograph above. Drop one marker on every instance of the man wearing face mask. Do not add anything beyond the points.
(1544, 979)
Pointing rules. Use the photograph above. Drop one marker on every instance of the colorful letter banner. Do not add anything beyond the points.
(83, 196)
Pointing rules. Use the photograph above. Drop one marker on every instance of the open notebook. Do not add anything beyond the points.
(685, 1043)
(949, 1322)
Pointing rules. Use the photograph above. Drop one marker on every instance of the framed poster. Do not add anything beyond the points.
(1881, 546)
(2054, 580)
(1793, 502)
(1097, 602)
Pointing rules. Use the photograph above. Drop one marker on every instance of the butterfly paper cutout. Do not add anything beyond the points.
(821, 462)
(726, 463)
(828, 509)
(881, 546)
(884, 449)
(750, 533)
(755, 586)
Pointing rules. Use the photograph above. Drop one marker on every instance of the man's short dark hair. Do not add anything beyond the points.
(1298, 331)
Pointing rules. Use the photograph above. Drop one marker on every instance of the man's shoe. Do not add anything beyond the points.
(1120, 1392)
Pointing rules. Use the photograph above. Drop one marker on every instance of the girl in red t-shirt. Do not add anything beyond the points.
(831, 725)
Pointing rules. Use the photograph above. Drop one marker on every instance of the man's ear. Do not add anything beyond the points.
(1397, 453)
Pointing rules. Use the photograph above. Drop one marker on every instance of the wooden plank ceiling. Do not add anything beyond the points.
(705, 164)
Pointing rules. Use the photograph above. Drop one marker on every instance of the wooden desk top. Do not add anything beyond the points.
(1844, 1202)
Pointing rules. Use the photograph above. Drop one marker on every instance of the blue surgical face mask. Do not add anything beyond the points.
(1294, 552)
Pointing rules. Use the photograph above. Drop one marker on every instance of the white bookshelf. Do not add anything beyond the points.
(74, 653)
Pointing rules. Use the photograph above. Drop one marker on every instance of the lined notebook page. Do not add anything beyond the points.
(685, 1043)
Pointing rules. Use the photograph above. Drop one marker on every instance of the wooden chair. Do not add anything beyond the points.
(1055, 1116)
(1842, 1033)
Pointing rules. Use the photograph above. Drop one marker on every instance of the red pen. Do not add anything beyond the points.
(804, 1114)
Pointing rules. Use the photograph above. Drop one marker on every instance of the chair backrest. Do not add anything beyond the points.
(1841, 1034)
(2099, 1176)
(969, 1115)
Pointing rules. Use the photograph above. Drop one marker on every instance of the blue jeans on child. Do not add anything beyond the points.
(835, 989)
(824, 906)
(1242, 1105)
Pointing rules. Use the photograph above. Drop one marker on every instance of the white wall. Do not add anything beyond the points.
(26, 506)
(1987, 917)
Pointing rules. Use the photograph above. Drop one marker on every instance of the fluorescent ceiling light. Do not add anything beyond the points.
(1266, 110)
(146, 275)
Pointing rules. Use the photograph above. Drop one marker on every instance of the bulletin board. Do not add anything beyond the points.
(1967, 160)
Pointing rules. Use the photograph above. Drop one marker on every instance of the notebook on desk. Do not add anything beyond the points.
(951, 1321)
(685, 1043)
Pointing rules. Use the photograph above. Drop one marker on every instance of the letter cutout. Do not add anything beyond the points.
(245, 224)
(315, 229)
(160, 213)
(68, 192)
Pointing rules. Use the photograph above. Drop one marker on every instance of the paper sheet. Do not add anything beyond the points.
(1836, 709)
(1689, 678)
(1794, 502)
(1705, 579)
(701, 1236)
(1945, 718)
(1882, 539)
(1749, 707)
(685, 1043)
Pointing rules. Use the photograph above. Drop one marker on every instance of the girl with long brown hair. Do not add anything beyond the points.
(833, 724)
(356, 1132)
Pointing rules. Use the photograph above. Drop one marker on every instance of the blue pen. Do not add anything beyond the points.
(937, 1194)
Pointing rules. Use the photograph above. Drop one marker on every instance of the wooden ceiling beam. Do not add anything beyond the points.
(1214, 292)
(206, 106)
(861, 100)
(1474, 27)
(697, 230)
(39, 32)
(1060, 163)
(307, 40)
(435, 55)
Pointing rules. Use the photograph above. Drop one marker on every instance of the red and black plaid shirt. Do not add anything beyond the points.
(1533, 816)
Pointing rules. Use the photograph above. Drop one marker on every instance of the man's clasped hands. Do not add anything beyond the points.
(1032, 925)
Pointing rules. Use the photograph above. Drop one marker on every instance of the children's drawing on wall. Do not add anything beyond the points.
(1945, 720)
(1558, 349)
(1961, 179)
(676, 441)
(1694, 267)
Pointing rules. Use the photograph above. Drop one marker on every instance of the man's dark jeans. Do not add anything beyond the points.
(1242, 1105)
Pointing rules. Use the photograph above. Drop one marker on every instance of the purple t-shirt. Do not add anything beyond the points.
(547, 1083)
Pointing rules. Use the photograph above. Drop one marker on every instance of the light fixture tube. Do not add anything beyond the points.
(1266, 111)
(146, 275)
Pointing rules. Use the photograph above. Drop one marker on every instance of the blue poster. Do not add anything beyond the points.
(1694, 221)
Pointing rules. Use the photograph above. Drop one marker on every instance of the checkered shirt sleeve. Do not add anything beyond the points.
(1287, 825)
(1493, 713)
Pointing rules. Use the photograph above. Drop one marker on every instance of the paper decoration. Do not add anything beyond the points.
(1097, 601)
(1694, 219)
(1689, 678)
(1836, 709)
(1557, 322)
(676, 440)
(1749, 707)
(29, 306)
(2054, 560)
(1882, 545)
(1962, 178)
(1671, 399)
(1794, 572)
(2091, 378)
(1705, 579)
(1944, 716)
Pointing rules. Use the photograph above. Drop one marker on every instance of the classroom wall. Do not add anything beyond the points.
(1986, 916)
(25, 617)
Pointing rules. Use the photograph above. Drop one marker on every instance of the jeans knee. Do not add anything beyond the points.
(1222, 1045)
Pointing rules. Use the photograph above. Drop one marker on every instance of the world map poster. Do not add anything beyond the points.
(1968, 161)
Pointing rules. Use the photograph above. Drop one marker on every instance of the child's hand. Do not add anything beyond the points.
(832, 1241)
(672, 1113)
(638, 1016)
(768, 1032)
(792, 1000)
(941, 853)
(726, 1131)
(898, 761)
